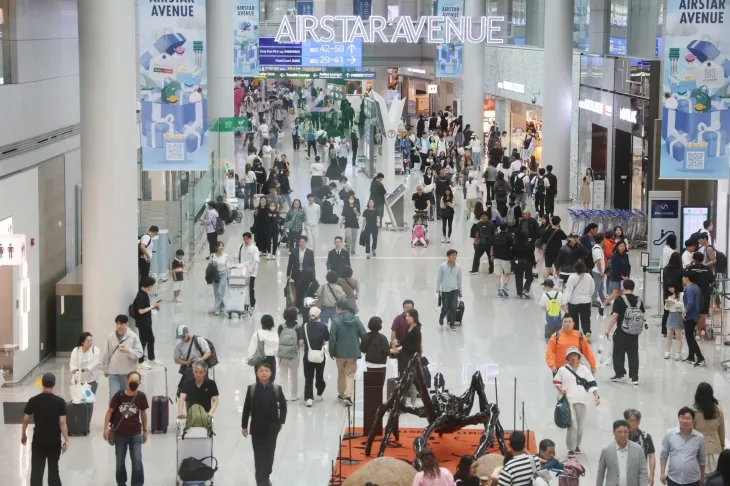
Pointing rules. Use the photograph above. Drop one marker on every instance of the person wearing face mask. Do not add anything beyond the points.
(350, 221)
(127, 420)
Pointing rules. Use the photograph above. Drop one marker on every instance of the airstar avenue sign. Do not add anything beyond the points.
(435, 29)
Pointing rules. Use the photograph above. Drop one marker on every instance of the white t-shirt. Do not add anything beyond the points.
(221, 262)
(264, 130)
(597, 253)
(472, 189)
(576, 393)
(545, 300)
(545, 181)
(317, 169)
(579, 289)
(146, 240)
(686, 258)
(250, 255)
(515, 166)
(667, 252)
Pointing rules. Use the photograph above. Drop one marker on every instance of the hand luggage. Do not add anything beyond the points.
(460, 312)
(161, 411)
(77, 419)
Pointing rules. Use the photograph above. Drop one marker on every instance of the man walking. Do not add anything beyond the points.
(692, 300)
(312, 213)
(49, 416)
(633, 417)
(625, 342)
(377, 194)
(346, 331)
(482, 233)
(265, 405)
(145, 251)
(551, 191)
(598, 271)
(119, 356)
(249, 254)
(338, 258)
(622, 462)
(448, 285)
(684, 448)
(143, 308)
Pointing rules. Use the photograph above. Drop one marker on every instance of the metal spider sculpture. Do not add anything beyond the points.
(446, 413)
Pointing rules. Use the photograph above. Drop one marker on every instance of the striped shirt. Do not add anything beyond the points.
(519, 471)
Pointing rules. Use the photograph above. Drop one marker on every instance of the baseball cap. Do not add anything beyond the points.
(572, 350)
(314, 313)
(48, 379)
(573, 233)
(548, 282)
(182, 330)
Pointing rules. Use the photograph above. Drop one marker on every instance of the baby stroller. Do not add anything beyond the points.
(283, 232)
(423, 216)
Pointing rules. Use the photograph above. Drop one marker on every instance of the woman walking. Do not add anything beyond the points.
(428, 187)
(268, 335)
(294, 223)
(259, 225)
(84, 364)
(221, 262)
(447, 213)
(291, 337)
(351, 287)
(671, 276)
(315, 335)
(350, 221)
(271, 232)
(673, 324)
(370, 225)
(209, 223)
(306, 291)
(710, 422)
(620, 270)
(523, 260)
(249, 188)
(578, 294)
(410, 345)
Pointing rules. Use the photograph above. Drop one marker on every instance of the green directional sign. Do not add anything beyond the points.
(230, 124)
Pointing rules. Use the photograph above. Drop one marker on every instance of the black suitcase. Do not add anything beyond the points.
(77, 419)
(460, 312)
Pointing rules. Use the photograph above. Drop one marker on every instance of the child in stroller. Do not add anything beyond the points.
(419, 235)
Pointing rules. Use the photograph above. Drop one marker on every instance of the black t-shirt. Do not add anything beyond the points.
(619, 307)
(442, 182)
(421, 200)
(704, 280)
(645, 441)
(489, 229)
(177, 276)
(200, 395)
(349, 213)
(46, 409)
(142, 301)
(371, 218)
(553, 245)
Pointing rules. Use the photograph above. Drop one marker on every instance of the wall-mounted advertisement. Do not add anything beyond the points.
(246, 38)
(449, 55)
(696, 112)
(173, 82)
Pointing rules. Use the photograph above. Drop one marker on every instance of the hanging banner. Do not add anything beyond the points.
(696, 111)
(246, 38)
(362, 8)
(173, 83)
(305, 8)
(449, 55)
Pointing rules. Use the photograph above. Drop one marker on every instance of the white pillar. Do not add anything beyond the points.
(473, 100)
(599, 28)
(380, 83)
(379, 7)
(109, 141)
(558, 91)
(220, 73)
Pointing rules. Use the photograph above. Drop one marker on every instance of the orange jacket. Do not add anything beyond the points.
(608, 245)
(555, 352)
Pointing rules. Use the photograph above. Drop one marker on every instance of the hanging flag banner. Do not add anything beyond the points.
(449, 55)
(696, 111)
(173, 83)
(362, 8)
(305, 8)
(246, 38)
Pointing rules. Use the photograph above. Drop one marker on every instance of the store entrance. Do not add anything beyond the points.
(622, 169)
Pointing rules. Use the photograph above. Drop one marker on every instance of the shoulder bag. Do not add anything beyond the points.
(260, 353)
(581, 381)
(313, 355)
(112, 440)
(333, 294)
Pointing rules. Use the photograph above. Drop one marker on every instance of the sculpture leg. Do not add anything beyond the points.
(389, 404)
(422, 441)
(391, 426)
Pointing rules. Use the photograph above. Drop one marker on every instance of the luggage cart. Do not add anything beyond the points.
(196, 444)
(238, 301)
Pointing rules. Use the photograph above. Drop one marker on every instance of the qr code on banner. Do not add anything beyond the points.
(175, 151)
(695, 160)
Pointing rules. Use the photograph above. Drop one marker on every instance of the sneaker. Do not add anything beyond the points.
(505, 291)
(527, 296)
(667, 355)
(293, 399)
(520, 296)
(600, 311)
(374, 253)
(571, 453)
(319, 398)
(352, 252)
(340, 397)
(688, 360)
(368, 255)
(448, 240)
(578, 451)
(473, 273)
(453, 328)
(443, 240)
(144, 365)
(635, 383)
(618, 379)
(678, 357)
(157, 362)
(217, 313)
(347, 401)
(309, 402)
(701, 363)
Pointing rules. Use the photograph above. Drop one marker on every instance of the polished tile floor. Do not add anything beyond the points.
(502, 335)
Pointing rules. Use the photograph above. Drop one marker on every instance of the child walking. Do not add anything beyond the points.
(675, 305)
(178, 275)
(551, 303)
(419, 234)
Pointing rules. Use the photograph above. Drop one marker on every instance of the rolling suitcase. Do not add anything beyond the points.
(161, 411)
(77, 419)
(459, 312)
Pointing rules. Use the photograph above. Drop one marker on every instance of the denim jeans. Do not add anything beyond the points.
(219, 290)
(134, 443)
(449, 301)
(117, 383)
(599, 296)
(327, 314)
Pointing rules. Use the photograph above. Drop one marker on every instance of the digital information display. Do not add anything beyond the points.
(692, 220)
(310, 53)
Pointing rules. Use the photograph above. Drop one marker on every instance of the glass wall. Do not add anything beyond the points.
(4, 57)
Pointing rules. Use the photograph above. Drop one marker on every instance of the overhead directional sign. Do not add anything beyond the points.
(310, 53)
(331, 75)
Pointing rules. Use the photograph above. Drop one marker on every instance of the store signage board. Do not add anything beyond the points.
(627, 115)
(12, 249)
(310, 53)
(664, 220)
(346, 76)
(436, 29)
(596, 107)
(695, 122)
(416, 70)
(433, 89)
(516, 87)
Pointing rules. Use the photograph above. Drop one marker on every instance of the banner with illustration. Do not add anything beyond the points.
(696, 111)
(173, 82)
(246, 38)
(449, 55)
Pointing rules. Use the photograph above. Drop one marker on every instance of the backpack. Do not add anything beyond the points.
(634, 320)
(540, 186)
(213, 358)
(720, 261)
(510, 216)
(518, 186)
(277, 392)
(500, 192)
(288, 345)
(211, 273)
(132, 312)
(486, 233)
(219, 226)
(196, 470)
(198, 417)
(553, 307)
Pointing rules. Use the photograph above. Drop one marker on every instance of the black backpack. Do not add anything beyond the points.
(196, 470)
(132, 312)
(500, 191)
(518, 186)
(486, 232)
(213, 358)
(540, 186)
(720, 261)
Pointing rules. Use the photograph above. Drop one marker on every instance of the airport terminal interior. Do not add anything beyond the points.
(610, 111)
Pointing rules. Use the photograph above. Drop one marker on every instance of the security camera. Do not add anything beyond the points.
(534, 98)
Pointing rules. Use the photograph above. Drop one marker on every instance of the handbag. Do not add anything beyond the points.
(260, 353)
(562, 415)
(196, 470)
(79, 389)
(112, 440)
(313, 355)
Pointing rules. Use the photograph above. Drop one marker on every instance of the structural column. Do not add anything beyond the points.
(109, 140)
(473, 99)
(380, 83)
(220, 73)
(599, 28)
(557, 91)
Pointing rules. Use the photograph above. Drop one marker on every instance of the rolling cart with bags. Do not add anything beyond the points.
(238, 301)
(195, 462)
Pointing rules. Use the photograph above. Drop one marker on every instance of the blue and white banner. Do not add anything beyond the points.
(449, 55)
(696, 111)
(246, 38)
(173, 81)
(362, 8)
(305, 8)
